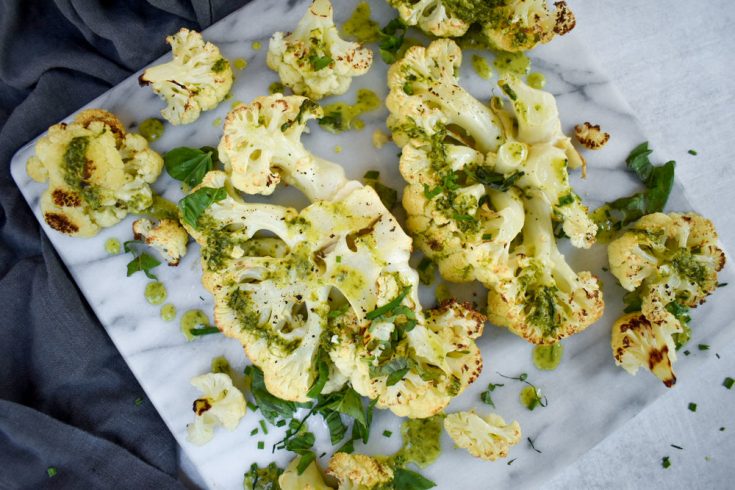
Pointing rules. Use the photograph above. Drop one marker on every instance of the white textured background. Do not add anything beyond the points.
(674, 62)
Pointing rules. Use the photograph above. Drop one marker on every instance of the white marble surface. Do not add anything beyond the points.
(588, 397)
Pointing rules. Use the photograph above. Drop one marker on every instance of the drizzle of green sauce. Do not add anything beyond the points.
(536, 80)
(529, 397)
(257, 45)
(547, 357)
(168, 312)
(76, 172)
(276, 88)
(421, 441)
(112, 246)
(340, 116)
(220, 364)
(516, 63)
(217, 122)
(240, 63)
(443, 292)
(162, 208)
(481, 66)
(236, 103)
(193, 319)
(155, 292)
(361, 26)
(151, 129)
(606, 228)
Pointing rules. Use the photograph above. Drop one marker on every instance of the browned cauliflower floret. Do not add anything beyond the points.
(168, 237)
(97, 173)
(591, 136)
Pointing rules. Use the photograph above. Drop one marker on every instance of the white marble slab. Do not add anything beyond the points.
(588, 396)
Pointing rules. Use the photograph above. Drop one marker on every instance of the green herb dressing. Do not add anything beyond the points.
(516, 63)
(529, 397)
(193, 319)
(112, 246)
(220, 364)
(155, 293)
(420, 441)
(276, 88)
(162, 208)
(536, 80)
(361, 26)
(547, 357)
(481, 66)
(341, 116)
(240, 63)
(168, 312)
(151, 129)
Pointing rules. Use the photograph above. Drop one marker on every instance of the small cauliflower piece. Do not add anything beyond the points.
(197, 79)
(670, 258)
(168, 237)
(431, 16)
(262, 144)
(591, 136)
(220, 404)
(486, 438)
(380, 139)
(310, 479)
(359, 472)
(313, 60)
(97, 173)
(636, 343)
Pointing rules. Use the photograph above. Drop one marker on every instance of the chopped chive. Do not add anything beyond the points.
(677, 447)
(51, 471)
(261, 444)
(511, 461)
(703, 347)
(487, 236)
(138, 402)
(254, 431)
(693, 407)
(387, 433)
(722, 429)
(262, 426)
(322, 455)
(692, 152)
(338, 259)
(665, 462)
(686, 352)
(728, 383)
(371, 175)
(204, 331)
(530, 442)
(252, 406)
(721, 285)
(280, 423)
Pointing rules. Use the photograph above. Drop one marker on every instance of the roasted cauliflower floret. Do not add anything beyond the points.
(278, 306)
(431, 16)
(220, 404)
(197, 79)
(425, 98)
(359, 472)
(97, 173)
(636, 342)
(313, 60)
(310, 479)
(670, 258)
(543, 300)
(487, 437)
(591, 136)
(168, 237)
(262, 144)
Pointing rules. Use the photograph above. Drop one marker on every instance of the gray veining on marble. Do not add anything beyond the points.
(588, 396)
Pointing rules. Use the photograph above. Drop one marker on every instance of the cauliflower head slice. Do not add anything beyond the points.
(591, 136)
(543, 300)
(636, 342)
(262, 143)
(487, 437)
(462, 225)
(671, 258)
(520, 25)
(220, 404)
(425, 92)
(310, 479)
(195, 80)
(167, 236)
(543, 167)
(313, 60)
(431, 16)
(359, 472)
(278, 305)
(97, 173)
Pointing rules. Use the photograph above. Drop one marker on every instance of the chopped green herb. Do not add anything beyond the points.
(319, 62)
(686, 352)
(251, 406)
(427, 271)
(692, 152)
(693, 407)
(511, 461)
(261, 445)
(391, 39)
(204, 331)
(390, 306)
(703, 347)
(722, 429)
(220, 65)
(371, 175)
(280, 423)
(51, 471)
(263, 427)
(665, 462)
(404, 479)
(677, 447)
(138, 402)
(486, 396)
(728, 383)
(254, 431)
(432, 193)
(387, 195)
(530, 443)
(270, 406)
(722, 285)
(387, 433)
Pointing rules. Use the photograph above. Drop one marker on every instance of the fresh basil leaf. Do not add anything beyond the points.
(270, 406)
(143, 262)
(193, 205)
(350, 404)
(306, 459)
(404, 479)
(391, 39)
(388, 307)
(189, 165)
(396, 376)
(337, 429)
(307, 105)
